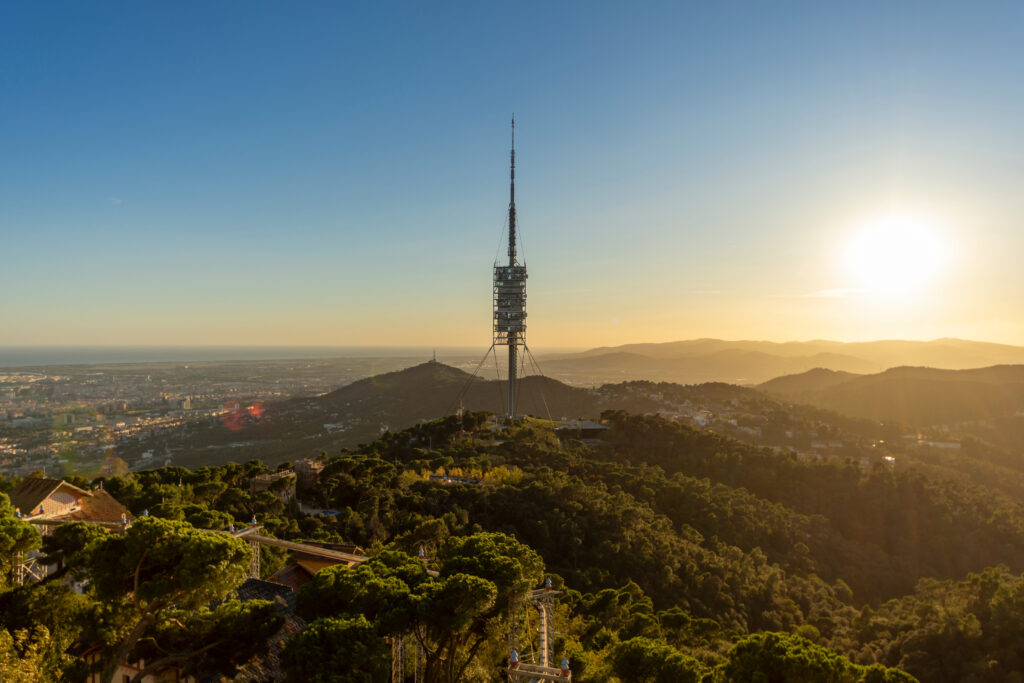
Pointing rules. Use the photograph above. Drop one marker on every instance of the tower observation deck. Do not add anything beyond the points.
(509, 302)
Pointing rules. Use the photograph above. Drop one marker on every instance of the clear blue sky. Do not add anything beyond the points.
(336, 173)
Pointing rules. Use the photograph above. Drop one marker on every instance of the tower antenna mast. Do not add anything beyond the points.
(510, 292)
(512, 200)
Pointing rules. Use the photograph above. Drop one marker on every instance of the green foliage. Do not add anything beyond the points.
(380, 589)
(945, 630)
(203, 518)
(863, 525)
(6, 509)
(685, 547)
(15, 537)
(158, 568)
(785, 658)
(337, 650)
(782, 658)
(512, 567)
(70, 544)
(213, 641)
(159, 563)
(65, 615)
(24, 656)
(648, 661)
(126, 490)
(452, 614)
(450, 606)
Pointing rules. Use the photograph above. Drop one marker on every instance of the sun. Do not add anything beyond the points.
(896, 253)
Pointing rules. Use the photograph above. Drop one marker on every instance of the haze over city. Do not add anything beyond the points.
(336, 174)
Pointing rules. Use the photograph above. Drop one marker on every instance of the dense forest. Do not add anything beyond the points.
(681, 555)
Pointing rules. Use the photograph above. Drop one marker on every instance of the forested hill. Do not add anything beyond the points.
(911, 395)
(431, 390)
(666, 525)
(685, 556)
(804, 383)
(360, 412)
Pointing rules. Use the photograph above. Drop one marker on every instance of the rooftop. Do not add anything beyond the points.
(32, 491)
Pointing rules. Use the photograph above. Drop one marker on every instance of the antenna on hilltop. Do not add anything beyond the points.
(510, 291)
(509, 301)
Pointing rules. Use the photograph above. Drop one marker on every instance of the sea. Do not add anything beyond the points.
(30, 356)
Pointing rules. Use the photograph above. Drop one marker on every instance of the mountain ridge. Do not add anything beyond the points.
(913, 395)
(755, 362)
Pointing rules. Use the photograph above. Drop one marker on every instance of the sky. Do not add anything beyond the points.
(268, 173)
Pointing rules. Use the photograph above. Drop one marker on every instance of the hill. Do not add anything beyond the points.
(432, 390)
(795, 386)
(675, 552)
(754, 362)
(683, 538)
(799, 527)
(732, 365)
(361, 411)
(911, 395)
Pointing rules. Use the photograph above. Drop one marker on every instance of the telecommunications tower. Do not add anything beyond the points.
(509, 302)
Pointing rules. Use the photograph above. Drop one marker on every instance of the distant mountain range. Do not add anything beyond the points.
(754, 362)
(359, 412)
(911, 395)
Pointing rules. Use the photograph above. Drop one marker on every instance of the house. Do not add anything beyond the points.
(307, 472)
(281, 484)
(304, 566)
(50, 502)
(40, 497)
(92, 654)
(54, 500)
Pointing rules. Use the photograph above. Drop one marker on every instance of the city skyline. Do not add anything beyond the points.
(332, 175)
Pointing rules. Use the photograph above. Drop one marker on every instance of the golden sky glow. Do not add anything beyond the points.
(840, 171)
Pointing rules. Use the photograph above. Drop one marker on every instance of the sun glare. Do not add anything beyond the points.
(894, 254)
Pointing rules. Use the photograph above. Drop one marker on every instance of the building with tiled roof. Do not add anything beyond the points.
(52, 500)
(305, 566)
(38, 496)
(98, 506)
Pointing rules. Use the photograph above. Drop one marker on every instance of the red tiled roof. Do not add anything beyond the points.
(98, 506)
